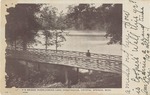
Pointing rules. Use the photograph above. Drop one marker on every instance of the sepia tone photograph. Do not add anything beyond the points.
(62, 45)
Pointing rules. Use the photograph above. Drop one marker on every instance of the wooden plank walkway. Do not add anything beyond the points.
(101, 62)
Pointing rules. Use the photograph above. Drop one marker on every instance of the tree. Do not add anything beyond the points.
(53, 26)
(21, 24)
(11, 30)
(60, 26)
(114, 23)
(46, 18)
(78, 16)
(106, 17)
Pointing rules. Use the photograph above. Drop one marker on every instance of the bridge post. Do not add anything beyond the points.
(38, 66)
(77, 79)
(67, 81)
(27, 69)
(66, 75)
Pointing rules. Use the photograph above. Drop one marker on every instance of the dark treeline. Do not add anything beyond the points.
(21, 26)
(25, 20)
(107, 17)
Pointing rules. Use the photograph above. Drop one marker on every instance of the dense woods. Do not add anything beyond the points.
(21, 27)
(107, 17)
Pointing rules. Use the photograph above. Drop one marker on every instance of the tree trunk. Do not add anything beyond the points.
(24, 45)
(15, 41)
(12, 45)
(56, 42)
(15, 45)
(46, 40)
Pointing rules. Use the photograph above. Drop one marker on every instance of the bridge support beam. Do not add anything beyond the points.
(27, 69)
(38, 66)
(66, 75)
(67, 81)
(77, 76)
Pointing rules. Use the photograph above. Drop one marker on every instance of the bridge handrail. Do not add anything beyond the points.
(57, 54)
(67, 57)
(63, 51)
(77, 53)
(73, 60)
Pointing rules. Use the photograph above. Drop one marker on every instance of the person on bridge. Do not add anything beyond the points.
(88, 54)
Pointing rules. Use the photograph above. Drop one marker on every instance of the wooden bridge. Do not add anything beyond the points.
(101, 62)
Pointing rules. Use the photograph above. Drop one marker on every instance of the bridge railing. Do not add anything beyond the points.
(71, 60)
(76, 53)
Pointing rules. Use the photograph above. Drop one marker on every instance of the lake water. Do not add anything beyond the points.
(94, 42)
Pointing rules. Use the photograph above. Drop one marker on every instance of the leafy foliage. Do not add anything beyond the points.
(21, 24)
(53, 25)
(107, 17)
(114, 22)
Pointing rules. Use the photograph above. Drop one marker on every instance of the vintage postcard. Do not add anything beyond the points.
(63, 47)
